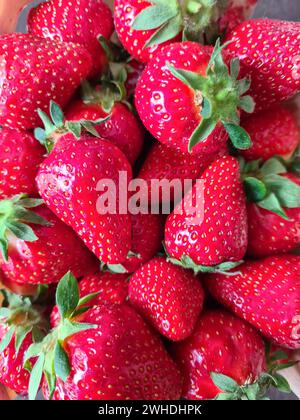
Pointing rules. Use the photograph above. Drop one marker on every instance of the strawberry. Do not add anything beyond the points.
(145, 26)
(273, 132)
(134, 70)
(70, 181)
(107, 287)
(25, 76)
(147, 236)
(169, 297)
(225, 359)
(269, 52)
(188, 100)
(273, 207)
(123, 128)
(266, 294)
(21, 322)
(208, 230)
(81, 22)
(36, 245)
(20, 157)
(104, 352)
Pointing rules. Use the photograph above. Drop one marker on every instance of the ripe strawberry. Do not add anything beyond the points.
(123, 128)
(273, 207)
(269, 52)
(265, 294)
(225, 359)
(107, 287)
(134, 70)
(20, 157)
(70, 181)
(147, 237)
(208, 230)
(81, 22)
(36, 246)
(144, 27)
(21, 322)
(273, 132)
(28, 83)
(106, 352)
(169, 297)
(187, 99)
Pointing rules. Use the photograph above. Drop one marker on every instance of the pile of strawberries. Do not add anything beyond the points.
(198, 305)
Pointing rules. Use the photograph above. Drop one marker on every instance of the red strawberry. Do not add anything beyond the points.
(187, 99)
(109, 288)
(273, 132)
(38, 253)
(236, 12)
(169, 297)
(265, 294)
(81, 22)
(208, 230)
(273, 208)
(269, 52)
(20, 321)
(134, 70)
(108, 352)
(123, 128)
(147, 237)
(224, 359)
(34, 71)
(20, 157)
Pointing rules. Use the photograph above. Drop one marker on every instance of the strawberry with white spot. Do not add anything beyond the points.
(189, 99)
(100, 353)
(20, 157)
(208, 231)
(34, 71)
(169, 297)
(265, 294)
(79, 21)
(269, 53)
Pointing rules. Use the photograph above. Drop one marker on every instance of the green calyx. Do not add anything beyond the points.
(266, 185)
(22, 316)
(56, 125)
(51, 353)
(15, 217)
(118, 268)
(220, 96)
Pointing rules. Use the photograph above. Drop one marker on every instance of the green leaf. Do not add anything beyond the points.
(4, 248)
(244, 86)
(272, 204)
(22, 231)
(223, 382)
(116, 268)
(57, 114)
(49, 126)
(7, 339)
(36, 377)
(235, 67)
(84, 300)
(206, 109)
(287, 192)
(29, 216)
(247, 104)
(154, 16)
(61, 363)
(21, 334)
(167, 31)
(273, 166)
(193, 80)
(51, 382)
(282, 384)
(256, 190)
(89, 127)
(75, 128)
(30, 202)
(40, 135)
(239, 137)
(33, 351)
(224, 397)
(67, 295)
(204, 129)
(252, 391)
(4, 313)
(70, 328)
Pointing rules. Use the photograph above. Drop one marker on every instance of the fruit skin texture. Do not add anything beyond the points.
(273, 132)
(169, 297)
(269, 53)
(221, 343)
(269, 233)
(20, 157)
(27, 85)
(266, 295)
(45, 261)
(80, 22)
(222, 236)
(168, 108)
(134, 41)
(12, 373)
(122, 129)
(111, 288)
(236, 12)
(120, 359)
(68, 181)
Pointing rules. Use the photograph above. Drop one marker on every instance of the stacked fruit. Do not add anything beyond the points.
(214, 313)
